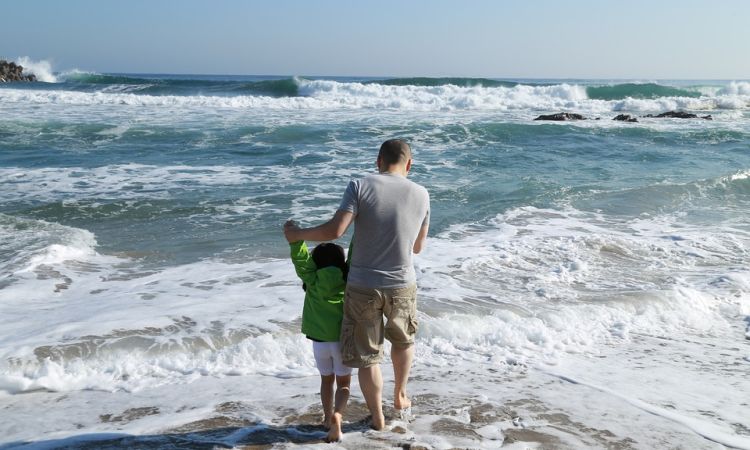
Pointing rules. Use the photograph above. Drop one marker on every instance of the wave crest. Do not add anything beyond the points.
(736, 88)
(303, 94)
(636, 90)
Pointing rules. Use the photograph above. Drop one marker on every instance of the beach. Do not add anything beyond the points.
(525, 408)
(585, 283)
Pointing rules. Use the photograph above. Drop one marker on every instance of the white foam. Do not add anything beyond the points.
(446, 97)
(137, 368)
(742, 175)
(735, 88)
(571, 300)
(42, 69)
(702, 427)
(114, 181)
(681, 103)
(36, 243)
(56, 254)
(328, 95)
(114, 328)
(572, 281)
(534, 287)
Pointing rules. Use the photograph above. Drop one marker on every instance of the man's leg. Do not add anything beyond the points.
(342, 397)
(402, 358)
(371, 383)
(401, 310)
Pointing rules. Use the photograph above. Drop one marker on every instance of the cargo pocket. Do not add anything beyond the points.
(413, 326)
(404, 305)
(348, 346)
(360, 306)
(401, 323)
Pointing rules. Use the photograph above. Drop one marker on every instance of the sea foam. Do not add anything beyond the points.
(327, 95)
(42, 69)
(573, 300)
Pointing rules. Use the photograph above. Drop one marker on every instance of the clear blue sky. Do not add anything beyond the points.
(654, 39)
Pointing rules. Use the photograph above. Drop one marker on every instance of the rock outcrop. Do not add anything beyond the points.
(626, 118)
(10, 71)
(561, 117)
(679, 115)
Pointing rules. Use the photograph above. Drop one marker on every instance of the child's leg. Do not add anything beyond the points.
(326, 398)
(324, 362)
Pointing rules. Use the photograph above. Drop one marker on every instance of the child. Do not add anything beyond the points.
(324, 279)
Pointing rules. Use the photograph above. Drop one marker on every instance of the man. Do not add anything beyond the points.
(391, 217)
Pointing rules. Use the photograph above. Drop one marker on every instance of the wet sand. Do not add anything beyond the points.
(457, 424)
(483, 408)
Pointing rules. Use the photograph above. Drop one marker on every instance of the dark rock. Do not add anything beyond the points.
(10, 71)
(674, 114)
(625, 118)
(561, 117)
(678, 115)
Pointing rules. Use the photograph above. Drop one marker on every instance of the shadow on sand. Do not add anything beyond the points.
(256, 436)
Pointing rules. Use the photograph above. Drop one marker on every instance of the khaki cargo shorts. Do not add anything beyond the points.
(362, 330)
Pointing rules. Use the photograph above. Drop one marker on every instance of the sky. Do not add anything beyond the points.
(633, 39)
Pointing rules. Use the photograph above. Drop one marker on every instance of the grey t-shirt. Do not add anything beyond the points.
(389, 211)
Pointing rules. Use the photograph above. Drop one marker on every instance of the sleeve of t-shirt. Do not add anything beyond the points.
(349, 202)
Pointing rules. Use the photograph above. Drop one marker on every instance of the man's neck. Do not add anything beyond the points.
(395, 170)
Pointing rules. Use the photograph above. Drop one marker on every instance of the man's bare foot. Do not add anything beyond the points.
(334, 434)
(327, 422)
(401, 401)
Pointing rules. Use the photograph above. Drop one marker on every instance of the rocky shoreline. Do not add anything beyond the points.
(10, 71)
(565, 116)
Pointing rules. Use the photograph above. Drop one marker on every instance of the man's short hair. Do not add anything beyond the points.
(394, 151)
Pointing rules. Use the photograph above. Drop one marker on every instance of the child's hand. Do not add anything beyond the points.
(290, 227)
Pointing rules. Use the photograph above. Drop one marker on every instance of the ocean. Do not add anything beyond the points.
(585, 284)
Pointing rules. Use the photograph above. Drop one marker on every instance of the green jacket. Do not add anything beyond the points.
(324, 298)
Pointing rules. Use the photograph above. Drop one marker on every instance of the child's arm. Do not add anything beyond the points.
(303, 262)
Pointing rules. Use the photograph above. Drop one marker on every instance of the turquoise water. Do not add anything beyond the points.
(115, 169)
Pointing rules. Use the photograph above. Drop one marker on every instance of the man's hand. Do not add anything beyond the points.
(290, 231)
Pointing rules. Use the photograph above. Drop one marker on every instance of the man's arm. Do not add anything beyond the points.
(333, 229)
(421, 238)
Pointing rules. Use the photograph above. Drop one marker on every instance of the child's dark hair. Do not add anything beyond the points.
(329, 254)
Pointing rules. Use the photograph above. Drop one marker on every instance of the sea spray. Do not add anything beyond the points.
(42, 69)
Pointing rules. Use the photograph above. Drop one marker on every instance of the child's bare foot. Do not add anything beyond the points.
(377, 423)
(334, 434)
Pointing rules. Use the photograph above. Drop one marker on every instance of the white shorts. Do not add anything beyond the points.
(328, 359)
